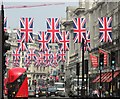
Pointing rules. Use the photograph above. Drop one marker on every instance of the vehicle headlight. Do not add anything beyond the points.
(14, 92)
(56, 92)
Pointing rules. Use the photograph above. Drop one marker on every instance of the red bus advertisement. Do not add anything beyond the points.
(17, 83)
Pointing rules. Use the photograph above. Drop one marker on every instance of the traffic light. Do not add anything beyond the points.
(113, 63)
(6, 47)
(101, 61)
(77, 69)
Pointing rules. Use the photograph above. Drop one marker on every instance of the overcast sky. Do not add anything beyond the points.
(38, 13)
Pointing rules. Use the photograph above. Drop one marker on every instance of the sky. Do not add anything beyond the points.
(38, 13)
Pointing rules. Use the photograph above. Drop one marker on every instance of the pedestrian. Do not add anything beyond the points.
(95, 93)
(106, 94)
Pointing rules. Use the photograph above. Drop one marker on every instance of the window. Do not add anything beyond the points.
(43, 68)
(115, 19)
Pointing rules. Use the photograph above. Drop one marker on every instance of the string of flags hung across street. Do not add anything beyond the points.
(54, 35)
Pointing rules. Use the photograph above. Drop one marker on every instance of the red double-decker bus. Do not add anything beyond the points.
(17, 83)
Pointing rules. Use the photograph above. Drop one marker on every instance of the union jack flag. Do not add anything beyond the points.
(47, 55)
(87, 41)
(27, 61)
(62, 56)
(16, 55)
(64, 42)
(55, 58)
(53, 27)
(31, 54)
(26, 29)
(48, 63)
(16, 63)
(79, 28)
(5, 24)
(39, 61)
(43, 39)
(22, 46)
(105, 29)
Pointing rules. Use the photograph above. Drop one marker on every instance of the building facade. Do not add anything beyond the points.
(92, 11)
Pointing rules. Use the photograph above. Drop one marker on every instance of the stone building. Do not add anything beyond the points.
(92, 11)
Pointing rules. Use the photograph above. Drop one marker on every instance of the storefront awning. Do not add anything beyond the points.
(96, 79)
(115, 74)
(105, 77)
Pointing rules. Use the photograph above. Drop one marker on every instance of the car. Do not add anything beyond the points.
(52, 90)
(31, 93)
(60, 88)
(42, 91)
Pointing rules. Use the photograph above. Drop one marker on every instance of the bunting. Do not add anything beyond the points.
(105, 29)
(53, 29)
(79, 29)
(26, 29)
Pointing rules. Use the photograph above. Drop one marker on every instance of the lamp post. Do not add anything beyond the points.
(82, 90)
(77, 73)
(100, 87)
(112, 80)
(113, 68)
(101, 65)
(89, 73)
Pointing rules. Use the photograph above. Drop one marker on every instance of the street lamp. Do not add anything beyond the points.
(89, 73)
(77, 73)
(82, 90)
(101, 65)
(113, 63)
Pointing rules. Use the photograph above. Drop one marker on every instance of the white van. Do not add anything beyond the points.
(60, 88)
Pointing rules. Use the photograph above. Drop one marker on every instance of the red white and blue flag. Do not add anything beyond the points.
(31, 54)
(55, 59)
(5, 24)
(79, 29)
(64, 41)
(43, 40)
(22, 46)
(62, 55)
(39, 61)
(27, 61)
(47, 55)
(26, 29)
(87, 42)
(48, 58)
(105, 29)
(16, 55)
(53, 29)
(16, 63)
